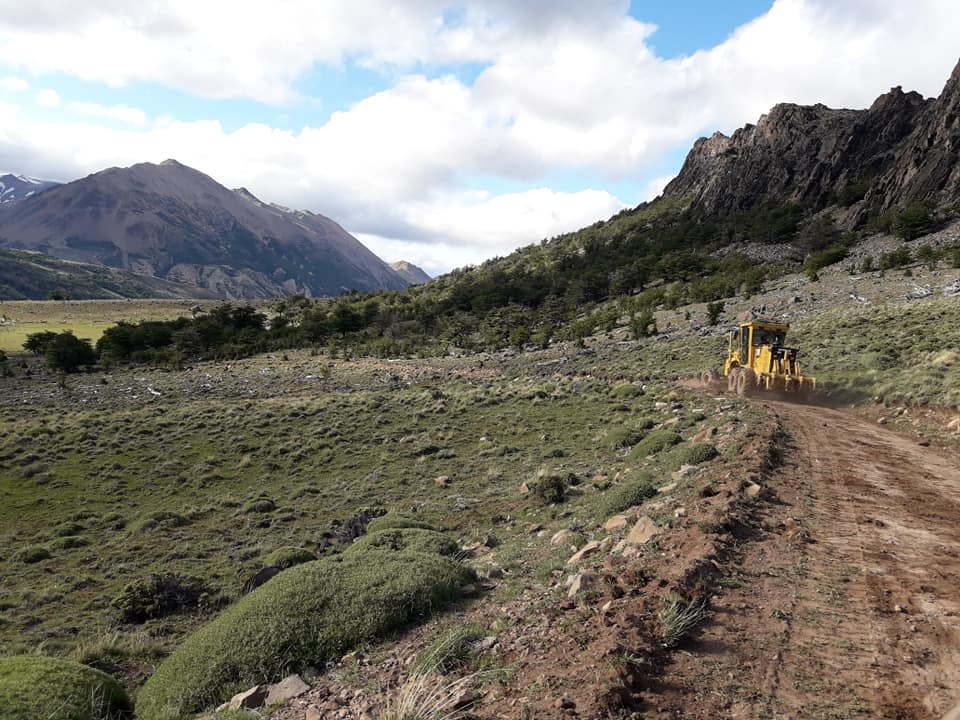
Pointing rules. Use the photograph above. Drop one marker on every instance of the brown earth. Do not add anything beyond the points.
(845, 603)
(832, 591)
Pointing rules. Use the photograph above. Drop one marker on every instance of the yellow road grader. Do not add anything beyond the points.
(758, 360)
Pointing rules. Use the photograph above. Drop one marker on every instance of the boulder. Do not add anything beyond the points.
(704, 435)
(587, 550)
(617, 522)
(752, 490)
(561, 537)
(287, 689)
(442, 481)
(643, 532)
(247, 700)
(581, 581)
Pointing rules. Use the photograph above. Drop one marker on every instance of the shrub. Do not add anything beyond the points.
(40, 687)
(913, 221)
(824, 258)
(623, 437)
(643, 325)
(549, 488)
(714, 311)
(287, 557)
(646, 423)
(694, 454)
(896, 258)
(260, 506)
(159, 520)
(67, 353)
(32, 554)
(404, 539)
(655, 442)
(158, 595)
(305, 616)
(392, 521)
(627, 390)
(69, 542)
(449, 651)
(626, 495)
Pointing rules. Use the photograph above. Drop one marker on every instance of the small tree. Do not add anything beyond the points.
(67, 353)
(714, 311)
(643, 325)
(37, 343)
(59, 294)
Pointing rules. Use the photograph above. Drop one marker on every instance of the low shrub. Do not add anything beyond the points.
(392, 521)
(159, 520)
(693, 454)
(404, 539)
(627, 390)
(259, 506)
(550, 488)
(305, 616)
(32, 686)
(623, 437)
(69, 542)
(626, 495)
(158, 595)
(32, 554)
(449, 651)
(287, 557)
(655, 442)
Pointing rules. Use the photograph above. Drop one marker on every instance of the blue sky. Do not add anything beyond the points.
(438, 132)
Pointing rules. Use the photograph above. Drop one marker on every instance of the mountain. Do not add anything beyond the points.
(410, 272)
(902, 149)
(173, 222)
(18, 187)
(28, 275)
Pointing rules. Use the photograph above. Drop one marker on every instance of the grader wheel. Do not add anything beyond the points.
(709, 378)
(732, 379)
(746, 381)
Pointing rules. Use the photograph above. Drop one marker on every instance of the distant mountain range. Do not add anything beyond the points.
(17, 187)
(172, 222)
(410, 272)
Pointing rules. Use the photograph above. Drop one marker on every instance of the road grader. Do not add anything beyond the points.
(758, 360)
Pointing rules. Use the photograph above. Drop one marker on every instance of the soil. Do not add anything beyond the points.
(845, 601)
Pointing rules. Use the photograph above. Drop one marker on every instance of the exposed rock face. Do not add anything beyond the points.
(174, 222)
(410, 272)
(19, 187)
(902, 148)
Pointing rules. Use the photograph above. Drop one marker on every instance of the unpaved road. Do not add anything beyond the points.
(844, 599)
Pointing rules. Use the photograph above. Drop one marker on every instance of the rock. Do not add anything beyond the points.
(484, 643)
(680, 512)
(704, 435)
(581, 581)
(524, 489)
(490, 540)
(586, 551)
(495, 573)
(561, 537)
(606, 607)
(752, 490)
(954, 424)
(442, 481)
(313, 713)
(464, 698)
(248, 699)
(670, 487)
(287, 689)
(882, 420)
(643, 532)
(671, 422)
(617, 522)
(661, 405)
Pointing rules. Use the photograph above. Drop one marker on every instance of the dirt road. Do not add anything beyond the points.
(844, 600)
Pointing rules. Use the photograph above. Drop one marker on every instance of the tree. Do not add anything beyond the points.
(67, 353)
(643, 325)
(714, 311)
(37, 343)
(59, 294)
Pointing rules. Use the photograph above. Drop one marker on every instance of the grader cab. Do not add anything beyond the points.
(758, 360)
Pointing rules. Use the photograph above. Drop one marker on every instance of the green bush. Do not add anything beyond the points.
(32, 554)
(694, 454)
(449, 651)
(623, 437)
(260, 506)
(626, 495)
(159, 520)
(550, 488)
(405, 539)
(392, 521)
(625, 391)
(38, 687)
(158, 595)
(824, 258)
(913, 221)
(655, 442)
(69, 542)
(287, 557)
(304, 617)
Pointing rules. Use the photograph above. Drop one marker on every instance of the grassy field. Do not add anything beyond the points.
(86, 318)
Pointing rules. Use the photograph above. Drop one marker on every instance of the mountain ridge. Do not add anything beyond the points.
(174, 222)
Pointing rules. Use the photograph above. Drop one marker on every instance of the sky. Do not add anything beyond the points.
(439, 132)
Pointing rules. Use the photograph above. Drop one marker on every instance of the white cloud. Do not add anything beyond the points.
(119, 113)
(14, 84)
(569, 88)
(48, 98)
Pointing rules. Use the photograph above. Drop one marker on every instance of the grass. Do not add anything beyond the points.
(678, 618)
(86, 318)
(304, 617)
(451, 649)
(427, 697)
(33, 686)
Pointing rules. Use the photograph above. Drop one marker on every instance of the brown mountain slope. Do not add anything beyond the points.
(173, 222)
(410, 272)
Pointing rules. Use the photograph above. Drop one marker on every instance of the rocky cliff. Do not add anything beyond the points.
(902, 149)
(171, 221)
